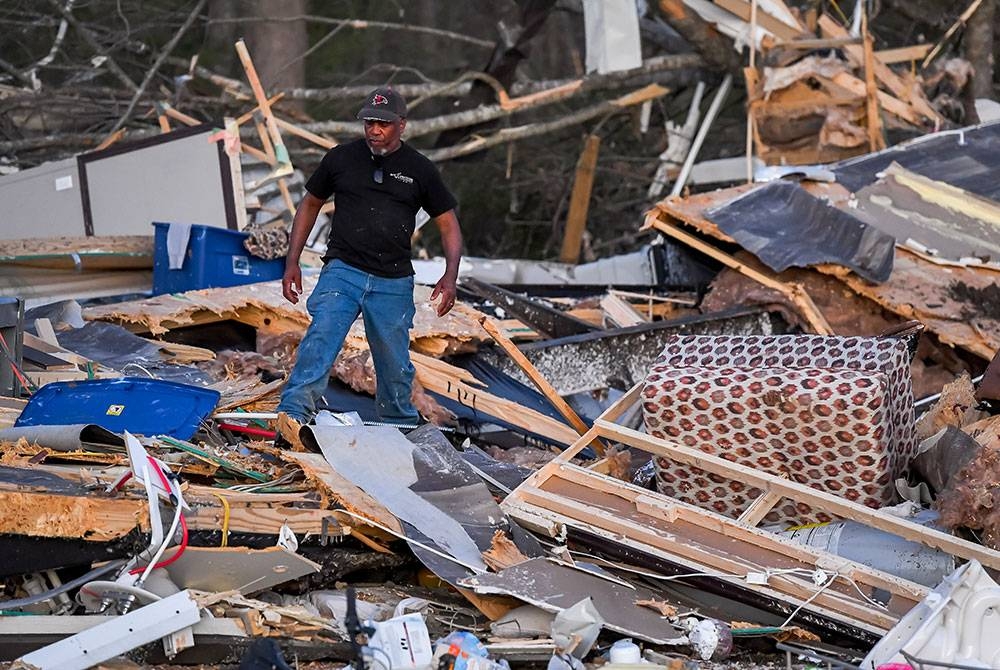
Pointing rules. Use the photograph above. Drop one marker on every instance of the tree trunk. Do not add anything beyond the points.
(979, 48)
(715, 47)
(277, 46)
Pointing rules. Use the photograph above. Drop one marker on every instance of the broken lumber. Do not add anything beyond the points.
(794, 292)
(561, 495)
(540, 382)
(579, 201)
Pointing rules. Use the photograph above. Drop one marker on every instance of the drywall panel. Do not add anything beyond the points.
(42, 202)
(178, 177)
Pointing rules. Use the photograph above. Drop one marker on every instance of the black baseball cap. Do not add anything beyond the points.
(383, 104)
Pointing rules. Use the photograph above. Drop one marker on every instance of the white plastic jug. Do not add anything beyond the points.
(401, 643)
(625, 651)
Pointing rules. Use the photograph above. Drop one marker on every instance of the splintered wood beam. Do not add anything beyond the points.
(776, 27)
(801, 493)
(883, 73)
(876, 140)
(543, 385)
(102, 519)
(903, 54)
(451, 384)
(293, 129)
(579, 202)
(796, 293)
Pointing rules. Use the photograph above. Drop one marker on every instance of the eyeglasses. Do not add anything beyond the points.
(377, 175)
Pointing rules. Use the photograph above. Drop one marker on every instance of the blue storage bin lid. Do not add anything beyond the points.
(136, 404)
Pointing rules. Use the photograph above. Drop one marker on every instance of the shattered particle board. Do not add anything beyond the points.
(553, 588)
(956, 407)
(847, 312)
(125, 252)
(503, 553)
(338, 489)
(263, 306)
(250, 394)
(922, 290)
(39, 503)
(917, 289)
(240, 569)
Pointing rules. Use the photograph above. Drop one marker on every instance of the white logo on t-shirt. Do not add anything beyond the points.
(399, 176)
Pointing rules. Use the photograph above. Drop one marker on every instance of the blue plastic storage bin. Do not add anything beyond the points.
(136, 404)
(215, 258)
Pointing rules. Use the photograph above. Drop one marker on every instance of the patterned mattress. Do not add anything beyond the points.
(835, 413)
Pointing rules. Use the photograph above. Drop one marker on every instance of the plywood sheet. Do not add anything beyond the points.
(263, 306)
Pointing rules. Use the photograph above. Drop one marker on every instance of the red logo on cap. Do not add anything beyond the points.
(379, 99)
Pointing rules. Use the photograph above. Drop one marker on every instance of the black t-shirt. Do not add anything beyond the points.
(372, 222)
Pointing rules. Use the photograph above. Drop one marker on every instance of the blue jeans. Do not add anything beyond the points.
(342, 293)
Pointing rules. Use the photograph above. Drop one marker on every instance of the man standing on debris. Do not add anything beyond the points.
(379, 183)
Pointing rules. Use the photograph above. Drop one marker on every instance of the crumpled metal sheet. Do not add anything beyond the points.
(785, 226)
(74, 437)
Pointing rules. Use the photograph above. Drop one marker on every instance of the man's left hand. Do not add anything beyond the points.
(445, 290)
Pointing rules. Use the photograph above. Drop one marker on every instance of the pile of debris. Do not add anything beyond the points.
(735, 478)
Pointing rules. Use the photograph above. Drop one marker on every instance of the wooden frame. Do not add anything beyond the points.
(562, 495)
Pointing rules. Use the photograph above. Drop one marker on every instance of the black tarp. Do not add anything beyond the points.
(785, 226)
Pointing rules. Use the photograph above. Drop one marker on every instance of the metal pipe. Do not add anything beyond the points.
(699, 139)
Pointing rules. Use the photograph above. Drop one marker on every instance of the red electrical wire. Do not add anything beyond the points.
(184, 529)
(249, 430)
(29, 387)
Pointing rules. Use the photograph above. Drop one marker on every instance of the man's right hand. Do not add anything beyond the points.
(291, 284)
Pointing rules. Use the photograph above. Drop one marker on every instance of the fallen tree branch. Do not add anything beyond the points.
(91, 41)
(359, 24)
(532, 130)
(156, 65)
(671, 62)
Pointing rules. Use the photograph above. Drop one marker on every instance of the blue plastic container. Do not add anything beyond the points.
(136, 404)
(215, 258)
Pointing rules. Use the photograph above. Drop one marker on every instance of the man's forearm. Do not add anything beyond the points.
(451, 242)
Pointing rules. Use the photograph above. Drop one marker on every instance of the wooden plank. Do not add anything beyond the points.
(621, 312)
(539, 381)
(45, 331)
(960, 22)
(579, 202)
(802, 493)
(759, 508)
(742, 9)
(670, 510)
(649, 532)
(54, 349)
(794, 292)
(876, 140)
(889, 103)
(889, 79)
(548, 522)
(293, 129)
(438, 381)
(903, 54)
(827, 43)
